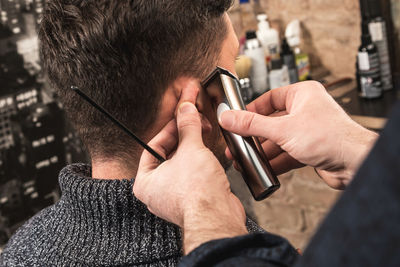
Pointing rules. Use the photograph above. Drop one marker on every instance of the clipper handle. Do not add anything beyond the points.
(255, 168)
(223, 88)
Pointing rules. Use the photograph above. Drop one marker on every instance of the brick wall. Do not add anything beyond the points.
(331, 29)
(295, 210)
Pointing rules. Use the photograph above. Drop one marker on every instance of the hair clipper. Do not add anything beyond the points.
(223, 88)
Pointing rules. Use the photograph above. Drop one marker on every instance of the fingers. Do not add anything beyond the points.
(189, 125)
(190, 93)
(276, 114)
(271, 150)
(281, 162)
(332, 180)
(228, 154)
(163, 143)
(246, 123)
(282, 98)
(271, 101)
(284, 163)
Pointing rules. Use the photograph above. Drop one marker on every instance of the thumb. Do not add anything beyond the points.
(247, 123)
(189, 125)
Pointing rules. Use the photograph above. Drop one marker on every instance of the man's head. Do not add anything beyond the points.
(131, 57)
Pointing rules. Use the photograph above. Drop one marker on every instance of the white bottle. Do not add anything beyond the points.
(292, 35)
(279, 75)
(267, 36)
(258, 73)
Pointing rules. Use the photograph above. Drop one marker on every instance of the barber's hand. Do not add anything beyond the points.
(190, 189)
(302, 124)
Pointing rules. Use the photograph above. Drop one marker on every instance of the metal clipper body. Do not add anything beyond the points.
(223, 88)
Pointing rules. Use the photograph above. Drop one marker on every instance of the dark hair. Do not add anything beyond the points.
(124, 54)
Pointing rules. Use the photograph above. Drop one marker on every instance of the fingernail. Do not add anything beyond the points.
(187, 108)
(226, 119)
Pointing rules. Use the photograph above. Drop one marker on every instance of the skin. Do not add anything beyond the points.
(202, 205)
(300, 124)
(313, 129)
(303, 118)
(184, 89)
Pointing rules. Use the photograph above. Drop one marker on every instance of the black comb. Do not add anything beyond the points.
(117, 123)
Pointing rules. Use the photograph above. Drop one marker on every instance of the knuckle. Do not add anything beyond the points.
(189, 121)
(315, 85)
(308, 85)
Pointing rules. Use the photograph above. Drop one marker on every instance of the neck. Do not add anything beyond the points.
(107, 170)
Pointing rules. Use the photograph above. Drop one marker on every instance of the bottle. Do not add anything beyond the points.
(279, 74)
(245, 90)
(267, 35)
(258, 73)
(369, 73)
(273, 51)
(292, 35)
(289, 60)
(372, 12)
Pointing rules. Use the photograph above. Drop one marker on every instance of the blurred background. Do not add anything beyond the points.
(36, 140)
(351, 46)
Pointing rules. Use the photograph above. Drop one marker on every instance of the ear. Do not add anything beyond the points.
(184, 89)
(187, 90)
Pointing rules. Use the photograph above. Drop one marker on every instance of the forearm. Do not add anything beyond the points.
(205, 222)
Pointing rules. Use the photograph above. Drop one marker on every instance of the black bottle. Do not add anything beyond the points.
(368, 66)
(289, 60)
(371, 11)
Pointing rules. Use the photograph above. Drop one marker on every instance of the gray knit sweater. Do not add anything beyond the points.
(96, 223)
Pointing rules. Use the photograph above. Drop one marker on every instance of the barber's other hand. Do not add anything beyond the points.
(302, 124)
(190, 189)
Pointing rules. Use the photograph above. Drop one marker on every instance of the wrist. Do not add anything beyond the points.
(358, 149)
(210, 220)
(349, 155)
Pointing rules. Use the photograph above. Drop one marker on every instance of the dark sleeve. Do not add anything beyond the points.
(261, 249)
(363, 229)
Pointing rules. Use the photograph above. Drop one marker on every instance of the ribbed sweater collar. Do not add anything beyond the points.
(101, 222)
